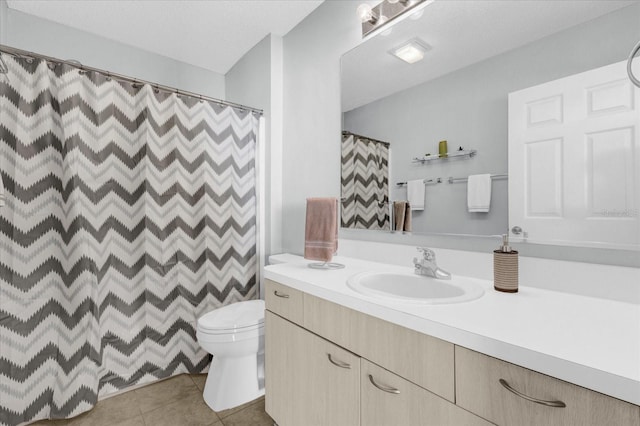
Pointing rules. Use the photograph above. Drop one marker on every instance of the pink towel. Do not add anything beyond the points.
(321, 229)
(402, 216)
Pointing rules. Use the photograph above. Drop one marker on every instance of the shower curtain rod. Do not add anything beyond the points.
(345, 133)
(76, 64)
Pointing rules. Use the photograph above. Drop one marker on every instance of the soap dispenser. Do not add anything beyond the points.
(505, 267)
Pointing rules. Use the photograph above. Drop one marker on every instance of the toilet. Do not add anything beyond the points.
(234, 335)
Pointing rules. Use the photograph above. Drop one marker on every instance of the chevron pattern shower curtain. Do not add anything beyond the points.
(365, 183)
(128, 214)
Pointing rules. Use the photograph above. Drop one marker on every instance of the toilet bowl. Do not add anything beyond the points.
(234, 335)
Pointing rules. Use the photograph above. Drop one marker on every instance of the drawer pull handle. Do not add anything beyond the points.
(383, 388)
(338, 363)
(283, 295)
(557, 404)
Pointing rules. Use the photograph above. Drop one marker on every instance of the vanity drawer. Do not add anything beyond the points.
(284, 301)
(478, 389)
(388, 399)
(421, 359)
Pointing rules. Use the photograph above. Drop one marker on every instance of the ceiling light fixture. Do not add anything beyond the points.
(412, 51)
(384, 15)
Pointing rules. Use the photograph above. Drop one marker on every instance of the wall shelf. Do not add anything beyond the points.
(466, 153)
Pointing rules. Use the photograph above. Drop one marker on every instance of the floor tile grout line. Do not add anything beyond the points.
(142, 417)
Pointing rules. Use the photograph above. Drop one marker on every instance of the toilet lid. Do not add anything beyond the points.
(240, 315)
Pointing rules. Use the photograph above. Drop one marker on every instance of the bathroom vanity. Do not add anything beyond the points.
(336, 357)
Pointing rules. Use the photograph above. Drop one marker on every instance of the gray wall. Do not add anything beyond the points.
(3, 21)
(312, 119)
(38, 35)
(469, 108)
(248, 82)
(256, 80)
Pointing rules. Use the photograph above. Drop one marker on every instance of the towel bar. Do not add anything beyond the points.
(426, 182)
(455, 180)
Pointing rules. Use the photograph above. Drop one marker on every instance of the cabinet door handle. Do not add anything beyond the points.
(338, 363)
(557, 404)
(383, 388)
(283, 295)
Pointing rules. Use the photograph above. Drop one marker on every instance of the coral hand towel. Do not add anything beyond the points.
(402, 216)
(399, 208)
(479, 193)
(321, 229)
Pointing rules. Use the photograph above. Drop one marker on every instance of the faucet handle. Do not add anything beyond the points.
(427, 253)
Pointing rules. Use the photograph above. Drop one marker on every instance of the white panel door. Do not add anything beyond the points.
(574, 160)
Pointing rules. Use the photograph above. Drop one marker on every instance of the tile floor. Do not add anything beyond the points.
(173, 402)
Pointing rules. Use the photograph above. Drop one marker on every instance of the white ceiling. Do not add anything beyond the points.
(460, 33)
(211, 34)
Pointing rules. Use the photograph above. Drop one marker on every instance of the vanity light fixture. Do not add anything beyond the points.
(412, 51)
(381, 17)
(365, 13)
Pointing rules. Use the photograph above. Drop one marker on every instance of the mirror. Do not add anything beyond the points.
(475, 55)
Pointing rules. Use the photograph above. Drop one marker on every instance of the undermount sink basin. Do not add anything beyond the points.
(412, 288)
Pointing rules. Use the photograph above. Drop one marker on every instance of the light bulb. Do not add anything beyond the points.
(364, 12)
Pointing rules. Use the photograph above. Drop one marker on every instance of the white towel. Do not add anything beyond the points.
(415, 194)
(479, 193)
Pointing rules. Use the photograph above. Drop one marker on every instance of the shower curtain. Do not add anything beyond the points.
(128, 213)
(365, 183)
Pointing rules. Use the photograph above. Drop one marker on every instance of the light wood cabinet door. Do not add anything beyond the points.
(387, 399)
(309, 381)
(479, 390)
(283, 346)
(421, 359)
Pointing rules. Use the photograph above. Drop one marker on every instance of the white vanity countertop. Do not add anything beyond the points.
(587, 341)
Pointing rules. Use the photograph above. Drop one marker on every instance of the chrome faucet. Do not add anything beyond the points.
(427, 265)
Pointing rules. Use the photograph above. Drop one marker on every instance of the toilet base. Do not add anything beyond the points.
(234, 381)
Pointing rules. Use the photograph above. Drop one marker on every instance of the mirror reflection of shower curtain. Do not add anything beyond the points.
(365, 183)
